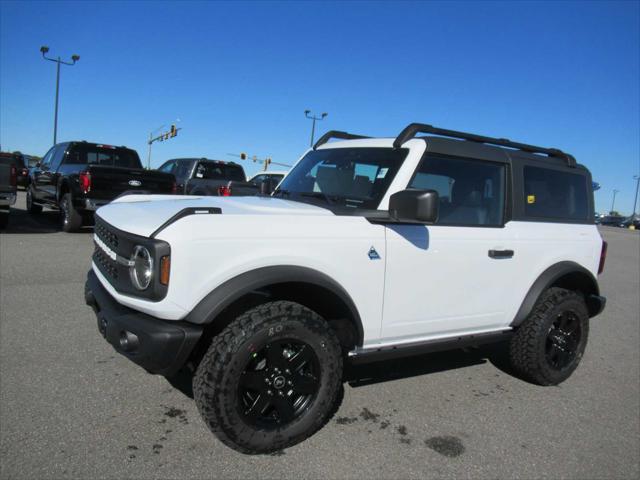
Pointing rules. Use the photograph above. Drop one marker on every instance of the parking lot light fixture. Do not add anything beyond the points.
(613, 202)
(309, 115)
(74, 58)
(635, 200)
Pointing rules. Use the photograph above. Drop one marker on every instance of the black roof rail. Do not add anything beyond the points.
(336, 134)
(410, 132)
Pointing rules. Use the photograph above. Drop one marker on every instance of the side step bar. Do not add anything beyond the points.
(374, 354)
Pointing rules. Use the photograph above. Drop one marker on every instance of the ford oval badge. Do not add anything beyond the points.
(135, 183)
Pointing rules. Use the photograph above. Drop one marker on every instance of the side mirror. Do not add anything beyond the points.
(414, 206)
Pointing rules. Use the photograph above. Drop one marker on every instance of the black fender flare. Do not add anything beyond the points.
(225, 294)
(587, 283)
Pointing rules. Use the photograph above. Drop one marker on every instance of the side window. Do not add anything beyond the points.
(471, 191)
(57, 157)
(168, 166)
(260, 178)
(46, 160)
(555, 194)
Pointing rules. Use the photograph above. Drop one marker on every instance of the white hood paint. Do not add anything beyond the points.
(143, 214)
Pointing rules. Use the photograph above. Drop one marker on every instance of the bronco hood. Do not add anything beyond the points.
(144, 214)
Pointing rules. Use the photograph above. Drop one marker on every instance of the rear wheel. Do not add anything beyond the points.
(4, 217)
(270, 379)
(70, 218)
(548, 346)
(32, 207)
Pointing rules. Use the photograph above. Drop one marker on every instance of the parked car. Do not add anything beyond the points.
(612, 220)
(373, 249)
(8, 186)
(263, 183)
(79, 177)
(202, 176)
(28, 162)
(635, 221)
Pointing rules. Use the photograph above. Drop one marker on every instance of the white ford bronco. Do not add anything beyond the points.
(369, 248)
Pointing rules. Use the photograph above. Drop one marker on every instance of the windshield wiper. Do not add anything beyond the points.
(320, 195)
(281, 191)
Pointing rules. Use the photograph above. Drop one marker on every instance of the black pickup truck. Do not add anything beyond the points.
(79, 177)
(8, 186)
(202, 176)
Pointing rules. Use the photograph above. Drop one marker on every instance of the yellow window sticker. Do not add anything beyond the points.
(531, 199)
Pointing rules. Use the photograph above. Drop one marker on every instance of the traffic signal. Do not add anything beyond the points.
(243, 156)
(174, 131)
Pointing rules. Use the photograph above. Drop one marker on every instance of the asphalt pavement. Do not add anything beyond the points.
(70, 407)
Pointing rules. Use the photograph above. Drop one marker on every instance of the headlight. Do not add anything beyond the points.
(142, 268)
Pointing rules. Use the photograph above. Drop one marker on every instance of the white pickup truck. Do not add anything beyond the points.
(370, 248)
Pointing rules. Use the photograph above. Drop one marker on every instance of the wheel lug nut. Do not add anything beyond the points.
(287, 371)
(269, 392)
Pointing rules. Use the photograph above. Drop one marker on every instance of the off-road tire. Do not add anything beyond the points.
(217, 377)
(70, 219)
(32, 208)
(527, 349)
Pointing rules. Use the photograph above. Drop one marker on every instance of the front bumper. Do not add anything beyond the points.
(7, 199)
(158, 346)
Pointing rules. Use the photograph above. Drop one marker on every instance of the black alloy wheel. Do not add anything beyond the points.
(278, 384)
(563, 340)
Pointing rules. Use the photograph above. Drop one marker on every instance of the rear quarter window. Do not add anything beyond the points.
(555, 194)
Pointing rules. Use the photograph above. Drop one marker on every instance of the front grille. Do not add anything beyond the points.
(105, 264)
(122, 244)
(105, 234)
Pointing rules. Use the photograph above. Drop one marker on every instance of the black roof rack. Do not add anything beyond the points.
(337, 134)
(410, 132)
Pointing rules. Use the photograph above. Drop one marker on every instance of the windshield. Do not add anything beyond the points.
(344, 177)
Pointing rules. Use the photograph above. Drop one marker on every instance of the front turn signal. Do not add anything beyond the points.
(165, 269)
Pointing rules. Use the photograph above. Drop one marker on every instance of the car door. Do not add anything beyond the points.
(451, 278)
(42, 176)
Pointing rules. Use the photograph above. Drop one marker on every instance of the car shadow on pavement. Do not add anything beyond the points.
(386, 371)
(48, 221)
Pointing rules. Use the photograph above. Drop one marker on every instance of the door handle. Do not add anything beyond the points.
(501, 253)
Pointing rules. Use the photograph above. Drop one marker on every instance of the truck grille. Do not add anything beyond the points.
(105, 234)
(121, 244)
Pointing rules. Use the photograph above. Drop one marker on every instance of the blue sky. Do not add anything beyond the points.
(240, 75)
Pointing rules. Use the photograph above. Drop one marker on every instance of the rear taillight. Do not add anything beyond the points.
(85, 181)
(224, 191)
(25, 172)
(13, 176)
(603, 257)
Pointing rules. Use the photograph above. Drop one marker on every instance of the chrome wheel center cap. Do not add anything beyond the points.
(278, 382)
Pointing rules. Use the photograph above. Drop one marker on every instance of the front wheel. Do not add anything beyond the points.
(270, 379)
(548, 346)
(70, 218)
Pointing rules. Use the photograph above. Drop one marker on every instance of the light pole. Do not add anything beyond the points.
(314, 118)
(74, 59)
(635, 200)
(614, 200)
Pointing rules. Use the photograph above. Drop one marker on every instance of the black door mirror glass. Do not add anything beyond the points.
(414, 206)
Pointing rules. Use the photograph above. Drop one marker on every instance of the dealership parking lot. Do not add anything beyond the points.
(70, 407)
